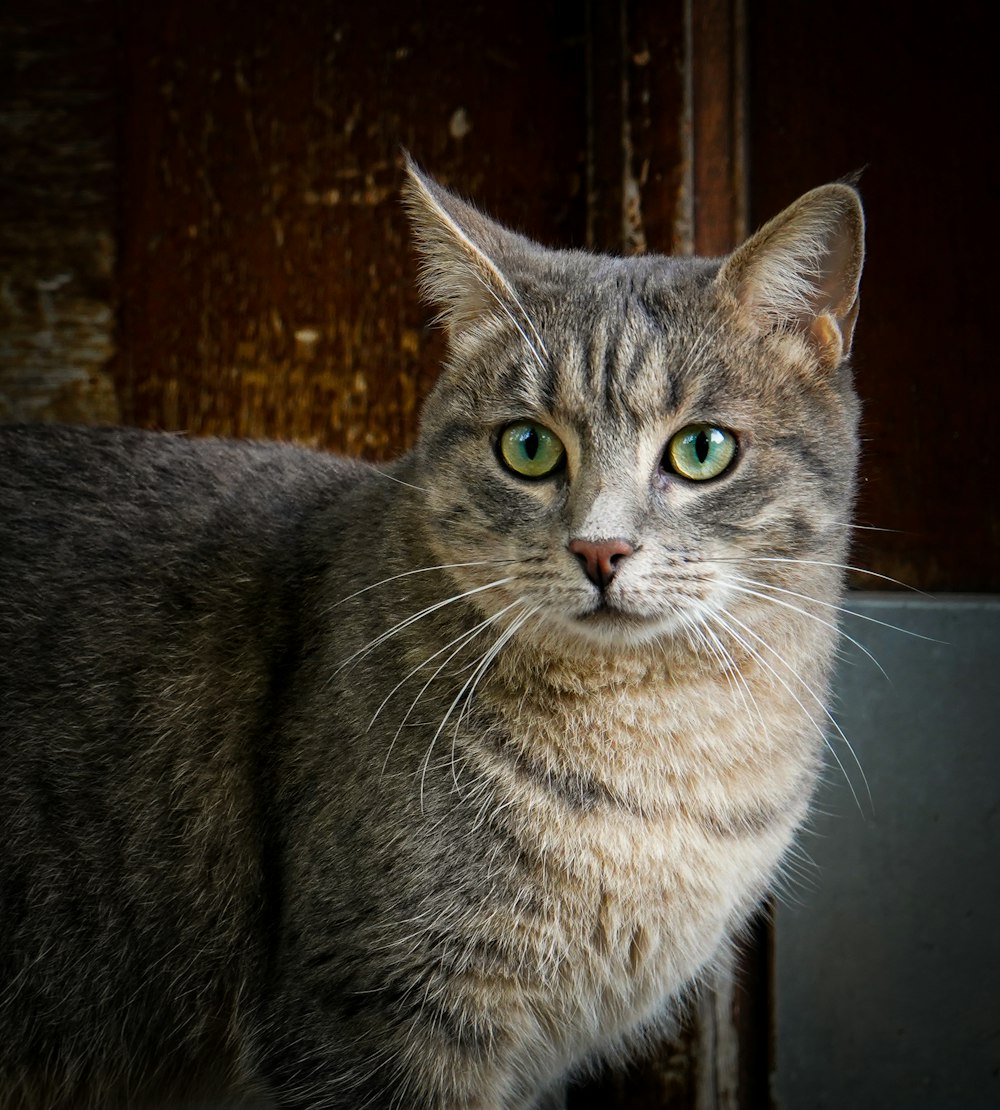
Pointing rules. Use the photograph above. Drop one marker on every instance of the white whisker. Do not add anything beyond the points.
(804, 612)
(861, 527)
(807, 689)
(398, 481)
(527, 319)
(510, 316)
(488, 658)
(735, 676)
(461, 639)
(821, 563)
(421, 570)
(396, 628)
(702, 339)
(467, 703)
(465, 638)
(843, 608)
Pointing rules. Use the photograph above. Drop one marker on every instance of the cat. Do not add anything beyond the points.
(429, 785)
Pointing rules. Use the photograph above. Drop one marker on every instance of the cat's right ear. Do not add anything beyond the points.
(800, 273)
(458, 247)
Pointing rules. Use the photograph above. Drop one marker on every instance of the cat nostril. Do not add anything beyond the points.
(600, 559)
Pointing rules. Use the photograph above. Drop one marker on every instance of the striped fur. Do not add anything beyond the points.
(344, 785)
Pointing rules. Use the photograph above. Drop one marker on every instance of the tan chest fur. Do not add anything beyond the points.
(653, 807)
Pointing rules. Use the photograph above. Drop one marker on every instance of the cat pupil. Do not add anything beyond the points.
(701, 447)
(530, 444)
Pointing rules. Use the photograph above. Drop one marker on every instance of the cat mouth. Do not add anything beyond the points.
(605, 612)
(612, 625)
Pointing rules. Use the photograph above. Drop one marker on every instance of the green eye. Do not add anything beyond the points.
(700, 451)
(530, 449)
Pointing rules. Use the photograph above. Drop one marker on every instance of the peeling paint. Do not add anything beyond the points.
(302, 231)
(369, 194)
(459, 125)
(633, 235)
(633, 232)
(683, 223)
(306, 340)
(328, 197)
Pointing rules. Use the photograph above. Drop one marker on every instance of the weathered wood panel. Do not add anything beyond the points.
(57, 210)
(909, 101)
(267, 280)
(636, 53)
(718, 117)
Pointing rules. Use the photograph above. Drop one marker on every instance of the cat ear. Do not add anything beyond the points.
(800, 273)
(457, 247)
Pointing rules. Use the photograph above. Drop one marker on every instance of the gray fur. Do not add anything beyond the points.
(343, 784)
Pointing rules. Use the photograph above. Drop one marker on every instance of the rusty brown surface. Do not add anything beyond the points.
(635, 89)
(267, 278)
(718, 125)
(908, 100)
(57, 200)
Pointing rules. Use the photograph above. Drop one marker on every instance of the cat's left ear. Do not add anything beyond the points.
(801, 272)
(461, 253)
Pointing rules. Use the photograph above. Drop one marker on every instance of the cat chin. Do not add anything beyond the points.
(618, 628)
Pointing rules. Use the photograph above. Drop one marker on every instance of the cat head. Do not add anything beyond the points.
(622, 444)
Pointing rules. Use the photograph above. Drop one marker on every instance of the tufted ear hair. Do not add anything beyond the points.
(461, 253)
(801, 272)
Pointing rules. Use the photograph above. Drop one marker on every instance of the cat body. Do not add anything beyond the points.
(425, 785)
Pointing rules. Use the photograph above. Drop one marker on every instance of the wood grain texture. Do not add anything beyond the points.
(267, 279)
(58, 201)
(635, 95)
(718, 117)
(909, 102)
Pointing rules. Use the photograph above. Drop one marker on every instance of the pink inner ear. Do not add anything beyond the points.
(827, 339)
(837, 287)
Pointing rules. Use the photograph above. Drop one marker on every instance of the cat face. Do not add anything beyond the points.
(628, 448)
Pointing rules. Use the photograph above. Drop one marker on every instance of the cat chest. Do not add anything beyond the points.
(639, 901)
(641, 836)
(631, 840)
(620, 920)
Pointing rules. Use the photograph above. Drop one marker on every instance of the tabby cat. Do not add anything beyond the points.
(426, 786)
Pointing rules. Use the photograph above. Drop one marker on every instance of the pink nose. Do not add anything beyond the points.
(600, 559)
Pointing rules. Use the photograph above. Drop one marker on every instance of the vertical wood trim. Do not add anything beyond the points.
(605, 118)
(718, 1045)
(636, 163)
(718, 143)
